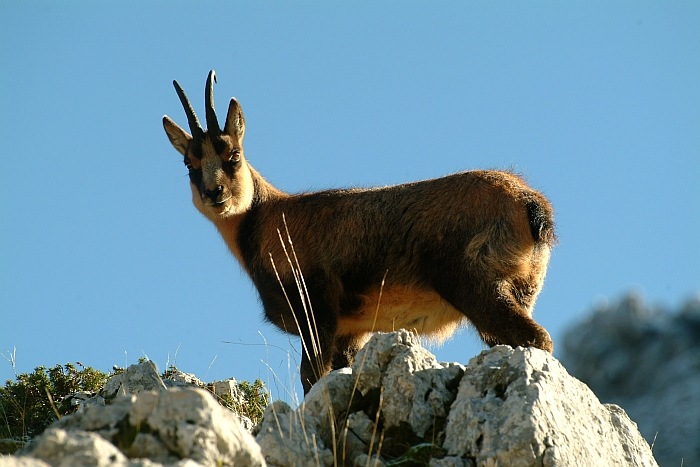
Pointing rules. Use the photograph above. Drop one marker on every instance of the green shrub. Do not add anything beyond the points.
(255, 396)
(255, 399)
(32, 402)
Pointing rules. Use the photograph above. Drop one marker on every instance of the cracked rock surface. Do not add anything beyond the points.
(399, 406)
(519, 407)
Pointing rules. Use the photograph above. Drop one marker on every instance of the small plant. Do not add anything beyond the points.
(252, 403)
(255, 399)
(34, 401)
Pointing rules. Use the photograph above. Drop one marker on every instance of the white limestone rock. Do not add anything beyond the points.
(178, 378)
(417, 389)
(519, 407)
(307, 436)
(229, 387)
(138, 377)
(451, 461)
(21, 461)
(363, 460)
(190, 423)
(179, 426)
(509, 407)
(60, 448)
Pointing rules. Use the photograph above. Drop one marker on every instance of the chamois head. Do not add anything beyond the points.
(219, 175)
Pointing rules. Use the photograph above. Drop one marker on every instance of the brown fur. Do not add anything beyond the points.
(425, 256)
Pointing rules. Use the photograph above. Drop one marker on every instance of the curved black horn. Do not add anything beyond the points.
(212, 122)
(195, 127)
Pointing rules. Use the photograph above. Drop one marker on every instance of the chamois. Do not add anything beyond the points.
(426, 256)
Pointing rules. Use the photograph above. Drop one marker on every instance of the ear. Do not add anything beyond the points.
(179, 138)
(235, 123)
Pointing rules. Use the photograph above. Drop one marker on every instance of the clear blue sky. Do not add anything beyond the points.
(103, 258)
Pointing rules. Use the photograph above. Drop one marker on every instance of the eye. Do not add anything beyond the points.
(235, 155)
(188, 164)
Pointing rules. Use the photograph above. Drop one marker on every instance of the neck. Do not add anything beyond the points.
(264, 191)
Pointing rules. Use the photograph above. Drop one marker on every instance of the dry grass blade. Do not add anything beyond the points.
(379, 449)
(374, 430)
(305, 302)
(284, 291)
(53, 406)
(11, 357)
(364, 355)
(303, 283)
(332, 421)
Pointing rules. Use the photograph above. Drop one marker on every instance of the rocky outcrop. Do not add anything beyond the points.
(397, 406)
(647, 360)
(139, 419)
(149, 429)
(508, 407)
(396, 396)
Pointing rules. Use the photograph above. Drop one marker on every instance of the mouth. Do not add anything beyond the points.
(219, 204)
(220, 209)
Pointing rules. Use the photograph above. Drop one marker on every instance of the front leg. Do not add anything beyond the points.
(345, 349)
(312, 317)
(317, 347)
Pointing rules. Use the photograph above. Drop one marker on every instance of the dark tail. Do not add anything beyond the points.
(541, 216)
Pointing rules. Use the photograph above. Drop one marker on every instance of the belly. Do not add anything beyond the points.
(403, 307)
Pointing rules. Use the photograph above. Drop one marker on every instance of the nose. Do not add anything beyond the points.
(214, 193)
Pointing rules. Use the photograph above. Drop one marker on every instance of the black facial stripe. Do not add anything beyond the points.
(219, 145)
(196, 177)
(230, 167)
(195, 150)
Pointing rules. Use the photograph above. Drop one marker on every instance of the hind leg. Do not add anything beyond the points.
(500, 314)
(316, 326)
(514, 329)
